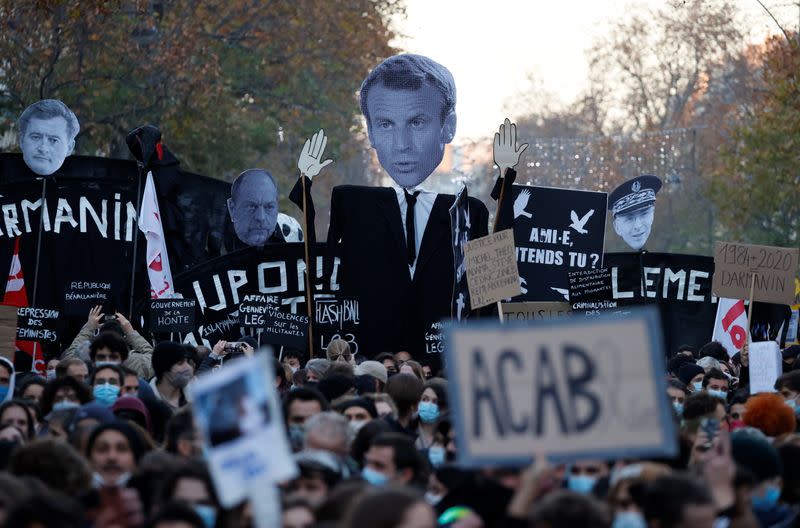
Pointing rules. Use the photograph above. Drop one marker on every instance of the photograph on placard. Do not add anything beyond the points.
(633, 205)
(47, 131)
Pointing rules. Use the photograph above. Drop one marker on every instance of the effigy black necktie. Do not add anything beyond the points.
(411, 233)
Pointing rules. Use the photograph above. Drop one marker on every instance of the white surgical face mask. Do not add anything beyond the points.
(432, 498)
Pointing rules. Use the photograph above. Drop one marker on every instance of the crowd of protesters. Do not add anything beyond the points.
(107, 438)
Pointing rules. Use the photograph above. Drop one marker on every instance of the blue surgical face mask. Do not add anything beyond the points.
(3, 393)
(106, 394)
(678, 406)
(629, 519)
(792, 403)
(99, 364)
(428, 412)
(375, 478)
(207, 513)
(698, 386)
(51, 374)
(768, 500)
(722, 395)
(436, 455)
(581, 483)
(65, 404)
(297, 436)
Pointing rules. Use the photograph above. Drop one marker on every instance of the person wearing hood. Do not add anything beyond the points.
(7, 375)
(131, 409)
(114, 449)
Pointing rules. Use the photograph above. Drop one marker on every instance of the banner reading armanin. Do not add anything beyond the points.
(221, 285)
(556, 231)
(88, 233)
(573, 388)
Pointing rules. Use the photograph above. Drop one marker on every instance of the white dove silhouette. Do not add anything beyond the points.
(576, 224)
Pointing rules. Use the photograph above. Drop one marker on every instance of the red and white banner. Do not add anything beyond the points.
(158, 270)
(730, 326)
(15, 295)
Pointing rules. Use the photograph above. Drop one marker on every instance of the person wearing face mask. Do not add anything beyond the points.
(716, 383)
(107, 383)
(392, 459)
(7, 375)
(676, 391)
(788, 386)
(358, 411)
(584, 475)
(763, 462)
(432, 404)
(191, 484)
(50, 373)
(173, 371)
(692, 376)
(64, 393)
(113, 450)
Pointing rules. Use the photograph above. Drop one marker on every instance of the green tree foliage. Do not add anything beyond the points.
(757, 187)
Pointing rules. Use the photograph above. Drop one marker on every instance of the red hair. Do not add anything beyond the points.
(769, 413)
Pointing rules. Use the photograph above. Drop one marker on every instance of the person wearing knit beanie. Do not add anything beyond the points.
(692, 376)
(114, 450)
(173, 371)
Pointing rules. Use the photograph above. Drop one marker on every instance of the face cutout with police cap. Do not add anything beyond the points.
(47, 131)
(633, 207)
(409, 105)
(253, 206)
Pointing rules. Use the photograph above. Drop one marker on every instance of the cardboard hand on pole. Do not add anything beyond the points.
(506, 153)
(310, 162)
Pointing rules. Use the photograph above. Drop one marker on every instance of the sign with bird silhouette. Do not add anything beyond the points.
(556, 231)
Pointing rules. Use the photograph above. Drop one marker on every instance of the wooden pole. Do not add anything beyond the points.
(750, 307)
(309, 292)
(494, 230)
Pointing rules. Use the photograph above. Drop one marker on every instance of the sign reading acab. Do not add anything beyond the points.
(571, 387)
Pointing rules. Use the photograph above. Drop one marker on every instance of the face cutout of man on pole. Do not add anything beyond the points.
(253, 206)
(47, 131)
(633, 205)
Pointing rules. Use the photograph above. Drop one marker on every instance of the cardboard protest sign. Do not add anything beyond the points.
(491, 268)
(730, 326)
(238, 414)
(81, 296)
(172, 315)
(590, 291)
(556, 231)
(460, 234)
(766, 366)
(8, 331)
(769, 270)
(526, 311)
(274, 326)
(38, 324)
(570, 387)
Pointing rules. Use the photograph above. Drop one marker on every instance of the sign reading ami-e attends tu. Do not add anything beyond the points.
(571, 387)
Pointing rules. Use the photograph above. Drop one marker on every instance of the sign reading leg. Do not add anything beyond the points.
(573, 388)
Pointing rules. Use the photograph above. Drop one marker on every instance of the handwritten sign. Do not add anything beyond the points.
(8, 331)
(491, 268)
(571, 387)
(531, 311)
(770, 269)
(766, 366)
(172, 315)
(276, 326)
(81, 296)
(38, 324)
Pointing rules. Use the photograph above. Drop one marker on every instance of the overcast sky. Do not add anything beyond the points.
(492, 46)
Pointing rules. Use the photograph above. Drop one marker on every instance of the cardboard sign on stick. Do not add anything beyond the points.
(571, 387)
(766, 365)
(491, 268)
(768, 270)
(535, 310)
(8, 331)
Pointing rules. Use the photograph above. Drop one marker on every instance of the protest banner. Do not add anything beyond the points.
(525, 311)
(730, 325)
(8, 331)
(238, 415)
(273, 326)
(172, 315)
(459, 235)
(491, 268)
(570, 387)
(760, 273)
(766, 366)
(680, 285)
(556, 231)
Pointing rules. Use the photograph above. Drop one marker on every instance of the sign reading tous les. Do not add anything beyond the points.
(38, 324)
(491, 268)
(556, 231)
(529, 311)
(571, 387)
(172, 315)
(769, 270)
(766, 365)
(276, 326)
